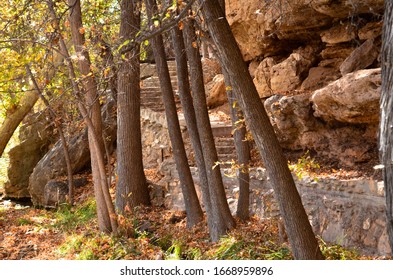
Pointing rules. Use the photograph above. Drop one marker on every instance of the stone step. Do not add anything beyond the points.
(228, 150)
(220, 130)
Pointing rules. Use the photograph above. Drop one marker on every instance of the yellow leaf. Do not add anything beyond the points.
(82, 30)
(194, 45)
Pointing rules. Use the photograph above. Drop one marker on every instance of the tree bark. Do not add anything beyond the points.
(241, 145)
(14, 116)
(386, 120)
(189, 115)
(106, 218)
(303, 242)
(193, 208)
(131, 187)
(223, 219)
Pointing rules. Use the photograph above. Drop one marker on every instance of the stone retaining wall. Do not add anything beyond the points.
(346, 212)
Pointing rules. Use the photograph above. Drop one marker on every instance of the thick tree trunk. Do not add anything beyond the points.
(241, 145)
(193, 208)
(189, 115)
(131, 187)
(302, 239)
(386, 122)
(105, 220)
(223, 219)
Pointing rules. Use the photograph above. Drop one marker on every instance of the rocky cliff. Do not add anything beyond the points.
(316, 68)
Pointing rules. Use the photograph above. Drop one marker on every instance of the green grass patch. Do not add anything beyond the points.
(68, 218)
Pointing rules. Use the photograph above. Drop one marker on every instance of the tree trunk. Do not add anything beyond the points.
(223, 219)
(193, 208)
(189, 115)
(59, 128)
(93, 105)
(14, 116)
(300, 234)
(386, 122)
(241, 145)
(243, 154)
(131, 187)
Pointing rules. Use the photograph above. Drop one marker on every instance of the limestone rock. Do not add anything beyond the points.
(298, 129)
(263, 77)
(252, 67)
(217, 94)
(344, 9)
(352, 99)
(370, 31)
(211, 68)
(267, 28)
(53, 164)
(340, 33)
(318, 77)
(56, 191)
(337, 51)
(360, 58)
(289, 74)
(36, 135)
(291, 117)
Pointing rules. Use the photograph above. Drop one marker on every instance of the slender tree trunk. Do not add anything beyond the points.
(105, 210)
(193, 208)
(300, 234)
(189, 115)
(243, 155)
(223, 219)
(386, 122)
(131, 187)
(241, 145)
(58, 125)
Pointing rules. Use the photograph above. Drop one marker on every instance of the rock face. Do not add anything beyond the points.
(352, 99)
(35, 135)
(314, 64)
(298, 129)
(53, 164)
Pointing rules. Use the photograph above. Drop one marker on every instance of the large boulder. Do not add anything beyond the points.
(352, 99)
(53, 164)
(35, 135)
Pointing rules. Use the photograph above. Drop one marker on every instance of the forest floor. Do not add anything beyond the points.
(149, 233)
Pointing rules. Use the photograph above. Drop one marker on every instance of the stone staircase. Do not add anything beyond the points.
(151, 99)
